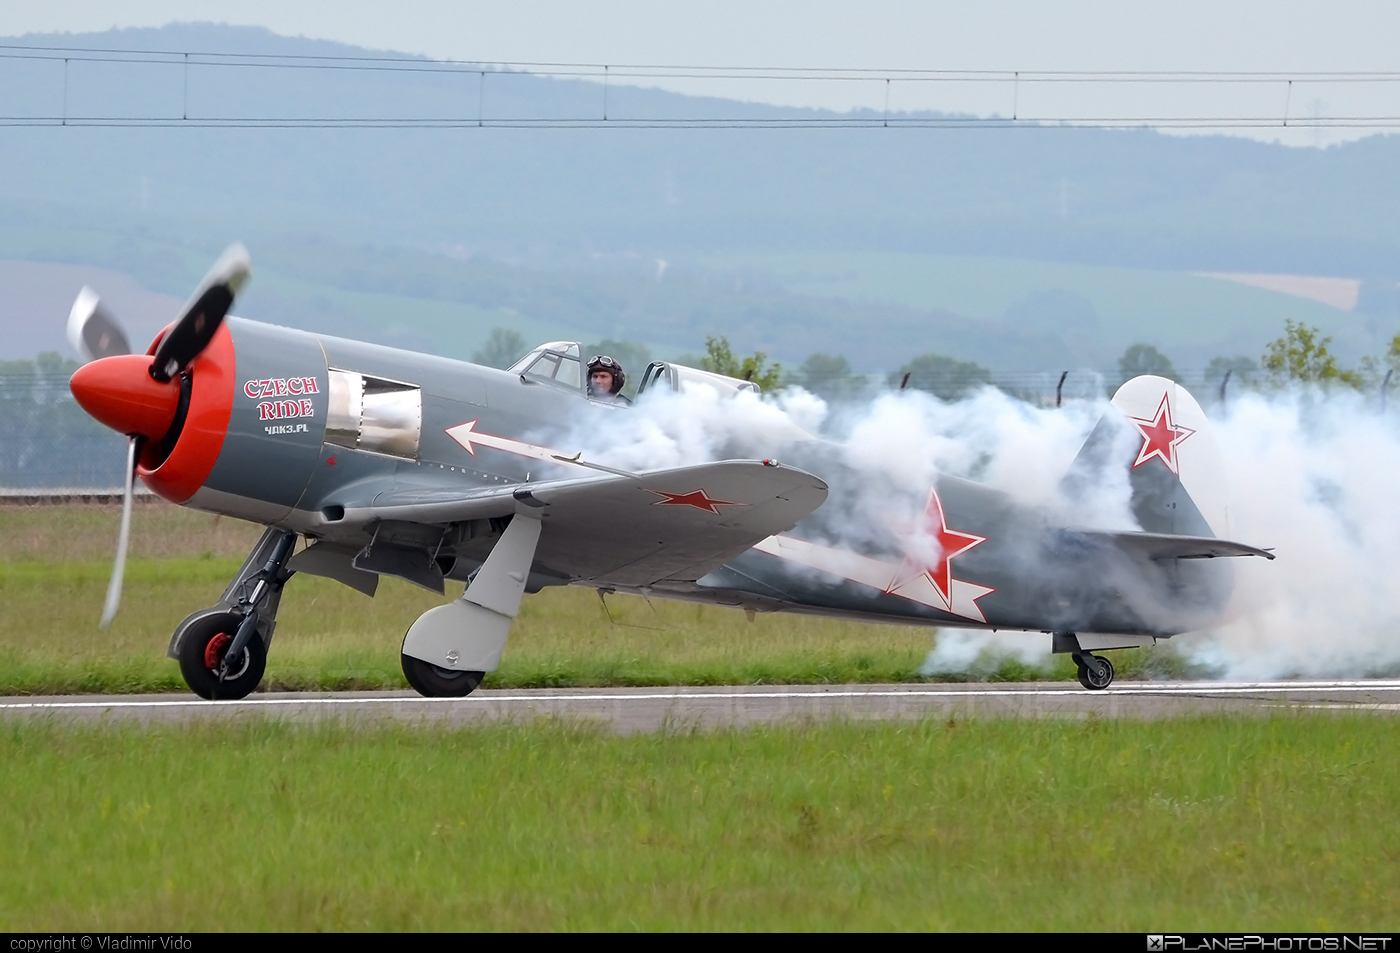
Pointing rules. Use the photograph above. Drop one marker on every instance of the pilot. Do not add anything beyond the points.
(605, 380)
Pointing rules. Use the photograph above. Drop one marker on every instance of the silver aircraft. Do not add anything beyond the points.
(386, 462)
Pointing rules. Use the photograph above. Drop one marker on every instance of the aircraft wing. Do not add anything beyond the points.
(630, 530)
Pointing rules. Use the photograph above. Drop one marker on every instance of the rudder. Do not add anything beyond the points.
(1175, 468)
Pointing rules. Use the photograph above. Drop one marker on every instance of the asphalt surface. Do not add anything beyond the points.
(650, 709)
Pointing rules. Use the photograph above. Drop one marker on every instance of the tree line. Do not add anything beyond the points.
(47, 440)
(1300, 356)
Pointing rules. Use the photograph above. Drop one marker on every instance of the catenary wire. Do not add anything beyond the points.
(603, 73)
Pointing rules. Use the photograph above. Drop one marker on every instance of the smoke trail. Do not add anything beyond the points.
(904, 440)
(881, 459)
(1314, 478)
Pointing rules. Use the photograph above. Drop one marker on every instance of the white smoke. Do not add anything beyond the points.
(959, 651)
(1314, 478)
(883, 457)
(904, 439)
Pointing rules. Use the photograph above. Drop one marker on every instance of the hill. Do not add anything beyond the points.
(1134, 198)
(1019, 248)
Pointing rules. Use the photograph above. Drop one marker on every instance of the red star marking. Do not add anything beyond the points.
(695, 498)
(950, 543)
(1160, 437)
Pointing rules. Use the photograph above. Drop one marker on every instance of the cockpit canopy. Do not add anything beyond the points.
(560, 364)
(556, 363)
(663, 375)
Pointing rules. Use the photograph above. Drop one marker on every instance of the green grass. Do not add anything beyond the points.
(53, 579)
(331, 638)
(1209, 824)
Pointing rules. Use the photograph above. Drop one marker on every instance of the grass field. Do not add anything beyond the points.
(343, 289)
(1254, 824)
(1183, 313)
(55, 561)
(1259, 823)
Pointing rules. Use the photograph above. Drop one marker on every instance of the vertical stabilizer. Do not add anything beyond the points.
(1175, 470)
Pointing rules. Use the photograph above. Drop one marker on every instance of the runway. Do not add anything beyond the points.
(628, 710)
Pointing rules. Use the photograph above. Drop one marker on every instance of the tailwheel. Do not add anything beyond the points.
(431, 681)
(1095, 672)
(204, 663)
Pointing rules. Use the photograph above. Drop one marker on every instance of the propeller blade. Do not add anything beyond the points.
(114, 587)
(93, 331)
(203, 314)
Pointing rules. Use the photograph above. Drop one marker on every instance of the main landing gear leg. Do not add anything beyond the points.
(1095, 671)
(222, 650)
(449, 650)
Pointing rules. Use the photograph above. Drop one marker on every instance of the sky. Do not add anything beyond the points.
(1013, 35)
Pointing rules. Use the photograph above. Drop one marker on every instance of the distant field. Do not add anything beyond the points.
(55, 562)
(1193, 318)
(877, 308)
(449, 328)
(1209, 824)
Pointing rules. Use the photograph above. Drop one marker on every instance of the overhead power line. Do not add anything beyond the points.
(656, 70)
(1017, 85)
(952, 122)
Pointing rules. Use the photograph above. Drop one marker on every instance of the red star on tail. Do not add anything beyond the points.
(1160, 437)
(695, 498)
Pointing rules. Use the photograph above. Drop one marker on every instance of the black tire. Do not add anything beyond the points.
(207, 640)
(432, 682)
(1096, 673)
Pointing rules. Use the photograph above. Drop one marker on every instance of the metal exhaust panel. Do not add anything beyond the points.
(374, 414)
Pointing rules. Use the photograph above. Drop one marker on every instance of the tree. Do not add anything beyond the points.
(945, 377)
(719, 359)
(1241, 369)
(1302, 357)
(46, 439)
(502, 349)
(826, 375)
(1142, 359)
(1228, 373)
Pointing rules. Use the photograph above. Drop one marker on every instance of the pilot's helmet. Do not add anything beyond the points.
(601, 362)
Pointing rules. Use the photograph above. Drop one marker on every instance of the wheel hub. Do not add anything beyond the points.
(216, 661)
(214, 651)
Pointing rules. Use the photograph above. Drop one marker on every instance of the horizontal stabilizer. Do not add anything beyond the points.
(1163, 546)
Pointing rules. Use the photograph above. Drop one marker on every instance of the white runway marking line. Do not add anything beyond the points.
(1222, 689)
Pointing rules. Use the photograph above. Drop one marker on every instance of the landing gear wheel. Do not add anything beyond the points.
(203, 650)
(1095, 673)
(432, 682)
